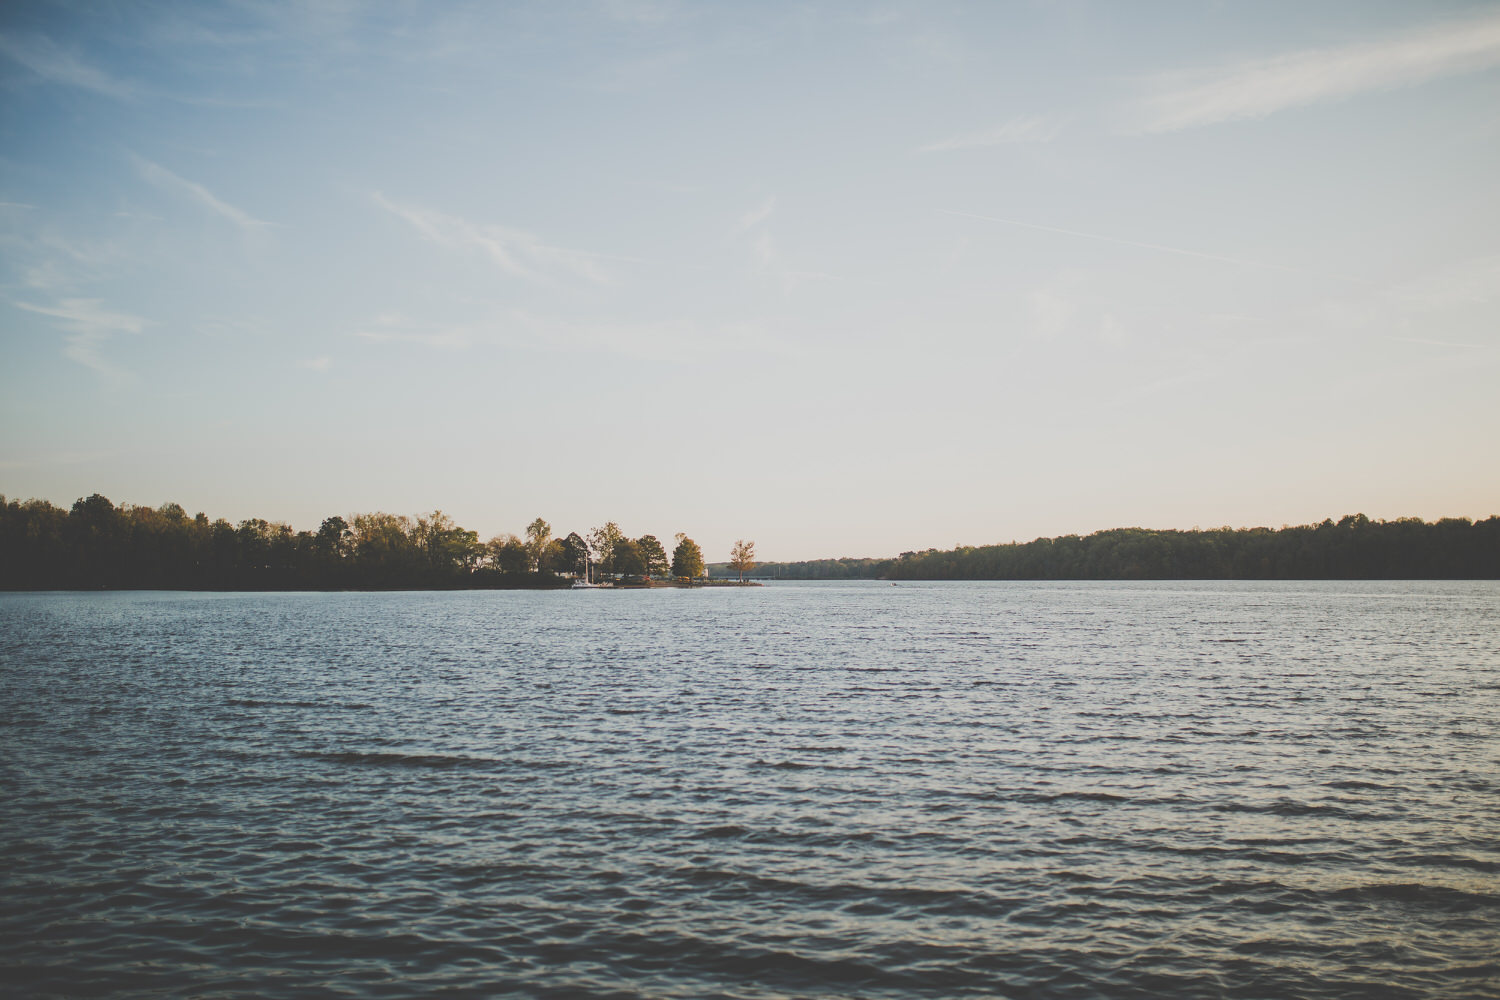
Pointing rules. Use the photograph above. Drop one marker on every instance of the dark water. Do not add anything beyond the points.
(950, 790)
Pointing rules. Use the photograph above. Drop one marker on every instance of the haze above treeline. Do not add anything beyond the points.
(98, 545)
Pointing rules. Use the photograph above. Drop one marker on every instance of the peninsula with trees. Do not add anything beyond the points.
(98, 545)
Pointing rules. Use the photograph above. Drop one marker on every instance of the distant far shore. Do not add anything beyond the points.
(1351, 548)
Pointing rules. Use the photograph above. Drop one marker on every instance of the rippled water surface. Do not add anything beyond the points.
(821, 790)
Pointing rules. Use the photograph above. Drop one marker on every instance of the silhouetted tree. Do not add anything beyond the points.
(575, 556)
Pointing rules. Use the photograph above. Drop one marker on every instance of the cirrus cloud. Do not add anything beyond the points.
(1261, 87)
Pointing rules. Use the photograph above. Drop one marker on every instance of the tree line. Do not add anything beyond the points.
(98, 545)
(1351, 548)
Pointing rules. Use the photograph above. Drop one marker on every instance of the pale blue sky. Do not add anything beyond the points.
(847, 279)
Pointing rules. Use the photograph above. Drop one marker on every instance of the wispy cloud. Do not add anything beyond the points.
(1051, 310)
(755, 216)
(393, 328)
(183, 28)
(54, 64)
(665, 341)
(1153, 246)
(1261, 87)
(45, 260)
(1070, 305)
(1017, 130)
(89, 325)
(648, 12)
(1450, 306)
(316, 364)
(752, 225)
(165, 179)
(763, 248)
(668, 342)
(752, 231)
(513, 251)
(1468, 283)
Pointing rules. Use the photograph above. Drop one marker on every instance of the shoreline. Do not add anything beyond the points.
(561, 585)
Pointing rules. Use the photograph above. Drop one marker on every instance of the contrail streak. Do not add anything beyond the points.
(1155, 246)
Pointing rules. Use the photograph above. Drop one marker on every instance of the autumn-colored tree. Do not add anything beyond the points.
(742, 558)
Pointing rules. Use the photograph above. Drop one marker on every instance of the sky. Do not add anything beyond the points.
(841, 278)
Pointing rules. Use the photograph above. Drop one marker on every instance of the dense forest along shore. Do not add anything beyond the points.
(98, 545)
(1351, 548)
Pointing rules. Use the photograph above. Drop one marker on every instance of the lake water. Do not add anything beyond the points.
(816, 790)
